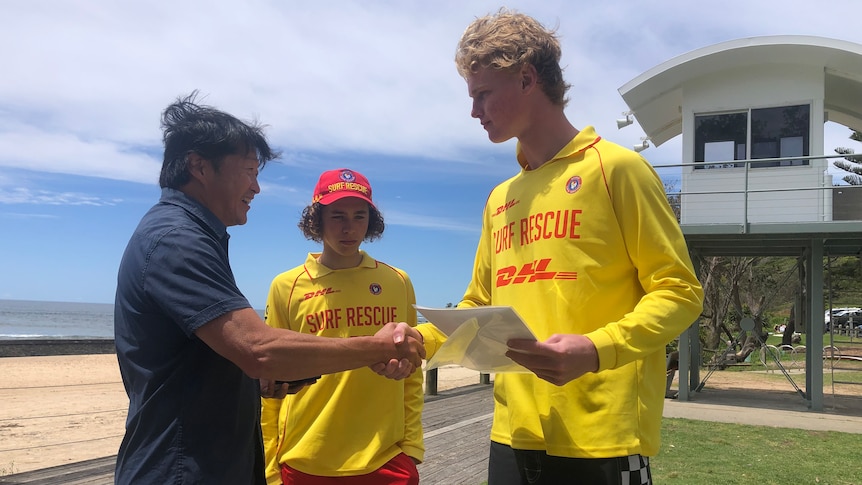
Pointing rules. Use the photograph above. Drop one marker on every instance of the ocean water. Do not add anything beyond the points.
(24, 319)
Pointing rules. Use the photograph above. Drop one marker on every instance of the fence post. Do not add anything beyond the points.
(431, 382)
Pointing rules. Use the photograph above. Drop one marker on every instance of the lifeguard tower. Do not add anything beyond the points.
(754, 178)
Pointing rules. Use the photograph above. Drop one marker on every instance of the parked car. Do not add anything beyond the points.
(847, 317)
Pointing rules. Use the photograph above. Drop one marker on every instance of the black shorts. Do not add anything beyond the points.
(507, 466)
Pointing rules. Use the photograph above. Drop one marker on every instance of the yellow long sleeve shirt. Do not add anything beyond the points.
(353, 422)
(587, 244)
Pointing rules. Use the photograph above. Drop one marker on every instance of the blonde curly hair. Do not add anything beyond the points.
(508, 40)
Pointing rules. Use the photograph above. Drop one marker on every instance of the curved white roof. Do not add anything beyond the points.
(655, 97)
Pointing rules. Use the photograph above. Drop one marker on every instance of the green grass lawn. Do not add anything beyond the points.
(707, 453)
(702, 452)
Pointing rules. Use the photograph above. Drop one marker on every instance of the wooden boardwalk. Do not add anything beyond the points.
(457, 424)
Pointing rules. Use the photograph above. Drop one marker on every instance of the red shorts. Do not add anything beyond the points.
(398, 471)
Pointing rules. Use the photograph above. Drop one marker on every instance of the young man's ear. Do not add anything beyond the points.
(529, 77)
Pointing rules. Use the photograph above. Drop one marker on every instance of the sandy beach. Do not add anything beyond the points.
(64, 409)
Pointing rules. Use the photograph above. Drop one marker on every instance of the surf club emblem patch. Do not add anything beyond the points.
(375, 289)
(573, 184)
(347, 176)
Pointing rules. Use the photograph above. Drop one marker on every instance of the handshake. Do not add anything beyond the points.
(409, 351)
(395, 352)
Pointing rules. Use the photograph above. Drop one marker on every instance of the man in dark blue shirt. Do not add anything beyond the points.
(190, 347)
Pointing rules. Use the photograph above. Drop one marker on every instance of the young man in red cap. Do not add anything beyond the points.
(353, 426)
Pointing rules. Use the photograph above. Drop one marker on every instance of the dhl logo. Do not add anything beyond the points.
(312, 294)
(530, 272)
(503, 208)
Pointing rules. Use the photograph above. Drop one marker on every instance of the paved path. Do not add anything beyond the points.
(782, 409)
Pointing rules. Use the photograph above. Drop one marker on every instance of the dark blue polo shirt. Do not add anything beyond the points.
(194, 416)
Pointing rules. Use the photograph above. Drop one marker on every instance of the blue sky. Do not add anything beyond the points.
(367, 85)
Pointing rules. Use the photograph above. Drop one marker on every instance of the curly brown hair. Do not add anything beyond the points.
(509, 40)
(311, 223)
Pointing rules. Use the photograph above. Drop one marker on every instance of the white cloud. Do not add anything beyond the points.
(21, 216)
(286, 194)
(44, 197)
(398, 218)
(369, 83)
(68, 153)
(85, 81)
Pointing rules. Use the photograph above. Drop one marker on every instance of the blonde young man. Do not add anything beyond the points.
(582, 243)
(351, 427)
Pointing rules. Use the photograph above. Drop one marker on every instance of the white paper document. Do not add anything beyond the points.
(477, 337)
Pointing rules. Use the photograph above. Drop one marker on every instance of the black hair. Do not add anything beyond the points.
(189, 127)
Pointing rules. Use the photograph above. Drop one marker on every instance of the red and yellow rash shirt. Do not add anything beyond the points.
(587, 244)
(353, 422)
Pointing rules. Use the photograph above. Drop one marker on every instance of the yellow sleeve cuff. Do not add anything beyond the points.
(432, 337)
(604, 348)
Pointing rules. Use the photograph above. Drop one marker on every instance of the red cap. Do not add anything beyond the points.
(340, 183)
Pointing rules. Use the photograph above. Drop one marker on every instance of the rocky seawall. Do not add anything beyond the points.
(41, 347)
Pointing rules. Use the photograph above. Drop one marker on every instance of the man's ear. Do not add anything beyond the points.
(196, 165)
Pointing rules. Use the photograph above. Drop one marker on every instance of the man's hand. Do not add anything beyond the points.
(558, 360)
(272, 389)
(394, 369)
(409, 351)
(279, 389)
(295, 386)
